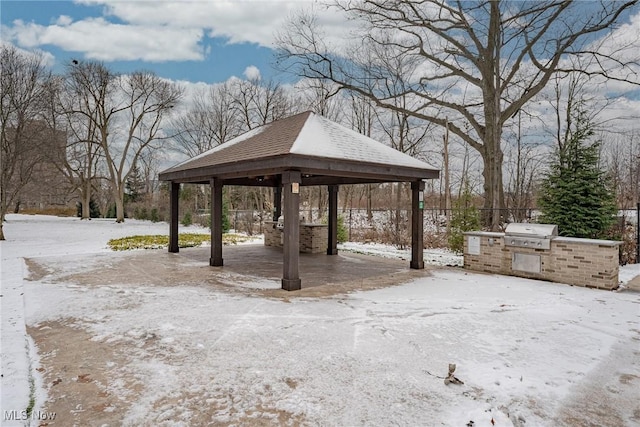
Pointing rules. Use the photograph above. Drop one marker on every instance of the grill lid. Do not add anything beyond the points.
(543, 231)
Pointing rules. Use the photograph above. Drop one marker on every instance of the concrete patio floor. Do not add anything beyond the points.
(338, 272)
(251, 268)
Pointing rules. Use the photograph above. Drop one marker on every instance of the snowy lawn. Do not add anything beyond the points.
(529, 353)
(431, 256)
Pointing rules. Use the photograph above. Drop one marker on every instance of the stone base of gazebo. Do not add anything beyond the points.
(313, 237)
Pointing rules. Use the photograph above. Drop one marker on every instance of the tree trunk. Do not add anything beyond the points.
(369, 204)
(491, 150)
(119, 199)
(3, 210)
(447, 182)
(86, 200)
(399, 240)
(492, 156)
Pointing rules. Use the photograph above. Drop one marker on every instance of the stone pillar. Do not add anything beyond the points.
(216, 223)
(173, 222)
(417, 225)
(332, 229)
(291, 249)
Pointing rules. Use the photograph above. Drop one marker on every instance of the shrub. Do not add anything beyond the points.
(94, 210)
(464, 217)
(343, 233)
(154, 216)
(186, 219)
(140, 213)
(111, 211)
(185, 240)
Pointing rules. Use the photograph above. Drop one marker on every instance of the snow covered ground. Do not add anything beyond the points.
(530, 353)
(431, 256)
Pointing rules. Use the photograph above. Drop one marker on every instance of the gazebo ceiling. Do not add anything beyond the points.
(324, 152)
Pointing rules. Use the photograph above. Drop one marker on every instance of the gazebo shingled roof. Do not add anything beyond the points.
(304, 149)
(307, 142)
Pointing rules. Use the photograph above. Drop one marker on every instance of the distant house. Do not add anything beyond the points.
(45, 185)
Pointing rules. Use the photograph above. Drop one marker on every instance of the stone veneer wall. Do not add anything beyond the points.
(580, 262)
(313, 237)
(272, 234)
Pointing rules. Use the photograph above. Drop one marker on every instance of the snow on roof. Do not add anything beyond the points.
(321, 137)
(304, 134)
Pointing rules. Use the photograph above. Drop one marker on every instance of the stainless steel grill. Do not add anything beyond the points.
(524, 235)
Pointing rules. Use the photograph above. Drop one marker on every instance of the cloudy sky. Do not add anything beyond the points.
(209, 41)
(206, 41)
(197, 40)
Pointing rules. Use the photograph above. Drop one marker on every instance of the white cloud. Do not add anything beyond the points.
(106, 41)
(166, 30)
(623, 46)
(63, 20)
(252, 72)
(241, 21)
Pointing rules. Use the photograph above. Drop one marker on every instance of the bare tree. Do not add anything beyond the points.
(211, 121)
(149, 167)
(124, 115)
(622, 158)
(475, 63)
(524, 162)
(362, 120)
(317, 95)
(147, 99)
(258, 103)
(407, 135)
(24, 132)
(80, 111)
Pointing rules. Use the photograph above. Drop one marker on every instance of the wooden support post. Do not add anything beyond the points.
(277, 202)
(216, 223)
(417, 227)
(291, 247)
(332, 246)
(173, 222)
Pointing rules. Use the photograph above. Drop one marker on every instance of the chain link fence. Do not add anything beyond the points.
(392, 226)
(628, 230)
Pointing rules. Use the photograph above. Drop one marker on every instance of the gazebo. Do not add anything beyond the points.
(304, 149)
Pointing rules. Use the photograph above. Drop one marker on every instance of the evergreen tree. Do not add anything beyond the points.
(343, 233)
(134, 185)
(575, 194)
(111, 211)
(186, 219)
(226, 223)
(154, 216)
(464, 217)
(94, 209)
